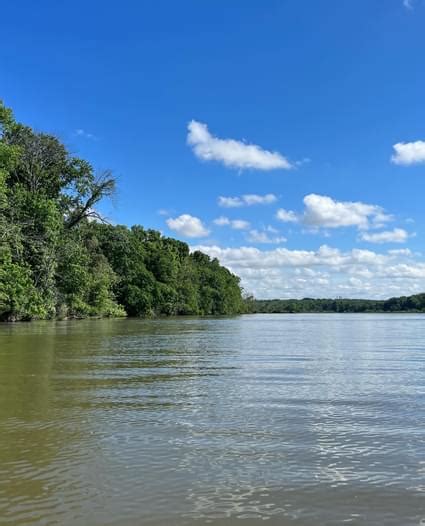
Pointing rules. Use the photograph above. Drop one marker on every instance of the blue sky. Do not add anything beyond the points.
(309, 115)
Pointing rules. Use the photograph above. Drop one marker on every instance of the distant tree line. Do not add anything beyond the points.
(415, 303)
(57, 259)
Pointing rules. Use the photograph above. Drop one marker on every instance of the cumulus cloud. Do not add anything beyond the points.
(246, 200)
(325, 272)
(261, 236)
(188, 226)
(321, 211)
(287, 216)
(230, 202)
(324, 212)
(222, 221)
(255, 199)
(239, 224)
(398, 235)
(236, 224)
(400, 252)
(232, 153)
(407, 153)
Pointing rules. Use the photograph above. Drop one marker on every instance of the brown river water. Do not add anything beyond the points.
(276, 419)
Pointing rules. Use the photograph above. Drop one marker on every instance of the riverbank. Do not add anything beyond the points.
(414, 303)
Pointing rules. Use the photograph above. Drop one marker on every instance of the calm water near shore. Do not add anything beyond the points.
(288, 419)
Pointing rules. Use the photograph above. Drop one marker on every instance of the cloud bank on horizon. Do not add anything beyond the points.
(327, 271)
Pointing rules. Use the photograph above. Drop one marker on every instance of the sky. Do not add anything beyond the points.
(284, 137)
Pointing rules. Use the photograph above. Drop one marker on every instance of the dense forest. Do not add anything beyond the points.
(414, 303)
(58, 259)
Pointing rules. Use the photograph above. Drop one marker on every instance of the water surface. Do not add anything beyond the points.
(283, 419)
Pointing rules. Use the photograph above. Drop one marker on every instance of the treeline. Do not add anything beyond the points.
(415, 303)
(57, 259)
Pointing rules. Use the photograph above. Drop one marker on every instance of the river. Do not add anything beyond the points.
(283, 419)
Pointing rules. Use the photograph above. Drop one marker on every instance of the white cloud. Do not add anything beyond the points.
(324, 212)
(398, 235)
(236, 224)
(255, 199)
(325, 272)
(246, 200)
(82, 133)
(407, 153)
(271, 229)
(230, 202)
(287, 216)
(222, 221)
(239, 224)
(321, 211)
(232, 153)
(408, 4)
(188, 226)
(258, 236)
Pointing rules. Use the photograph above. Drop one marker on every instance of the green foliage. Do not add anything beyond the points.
(157, 275)
(55, 261)
(414, 303)
(19, 298)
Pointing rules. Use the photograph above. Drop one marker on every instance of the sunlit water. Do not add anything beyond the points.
(283, 419)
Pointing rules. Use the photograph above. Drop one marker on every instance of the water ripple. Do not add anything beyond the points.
(300, 420)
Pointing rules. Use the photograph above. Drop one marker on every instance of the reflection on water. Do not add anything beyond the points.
(294, 420)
